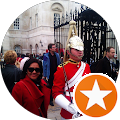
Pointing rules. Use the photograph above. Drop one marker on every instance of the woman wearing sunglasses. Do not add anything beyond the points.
(31, 91)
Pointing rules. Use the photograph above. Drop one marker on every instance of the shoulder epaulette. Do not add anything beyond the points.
(63, 64)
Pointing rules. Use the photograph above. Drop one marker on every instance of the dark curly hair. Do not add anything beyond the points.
(28, 63)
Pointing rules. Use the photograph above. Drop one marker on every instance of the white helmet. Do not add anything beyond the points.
(76, 43)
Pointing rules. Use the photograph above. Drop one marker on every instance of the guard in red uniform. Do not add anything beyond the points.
(68, 74)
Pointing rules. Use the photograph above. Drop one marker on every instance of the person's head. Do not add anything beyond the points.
(110, 52)
(52, 47)
(33, 69)
(74, 46)
(10, 57)
(27, 55)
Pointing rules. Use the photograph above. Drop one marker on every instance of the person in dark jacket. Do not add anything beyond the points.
(50, 62)
(10, 72)
(104, 65)
(31, 91)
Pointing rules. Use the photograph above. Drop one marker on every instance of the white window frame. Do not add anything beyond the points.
(57, 17)
(17, 24)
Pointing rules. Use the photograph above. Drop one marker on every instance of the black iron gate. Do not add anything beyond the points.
(93, 33)
(91, 28)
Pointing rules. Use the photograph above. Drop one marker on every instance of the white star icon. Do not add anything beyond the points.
(96, 95)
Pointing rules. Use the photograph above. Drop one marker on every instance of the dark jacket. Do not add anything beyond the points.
(11, 74)
(104, 67)
(28, 95)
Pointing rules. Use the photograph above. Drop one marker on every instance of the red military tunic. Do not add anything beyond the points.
(71, 67)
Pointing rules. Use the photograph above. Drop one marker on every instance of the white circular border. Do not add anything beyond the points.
(116, 90)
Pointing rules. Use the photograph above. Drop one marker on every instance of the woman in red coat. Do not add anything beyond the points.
(32, 92)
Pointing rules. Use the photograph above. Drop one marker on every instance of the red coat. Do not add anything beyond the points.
(27, 94)
(71, 67)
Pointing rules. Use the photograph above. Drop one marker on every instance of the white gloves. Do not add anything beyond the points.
(65, 104)
(73, 110)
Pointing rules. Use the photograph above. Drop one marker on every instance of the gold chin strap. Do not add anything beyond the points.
(76, 56)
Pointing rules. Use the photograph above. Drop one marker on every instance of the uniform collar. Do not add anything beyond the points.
(78, 64)
(73, 61)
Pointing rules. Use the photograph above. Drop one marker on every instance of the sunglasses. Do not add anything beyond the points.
(32, 69)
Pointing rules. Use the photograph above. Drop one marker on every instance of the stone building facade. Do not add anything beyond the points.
(33, 30)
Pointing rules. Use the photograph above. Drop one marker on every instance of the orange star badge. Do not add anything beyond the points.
(95, 95)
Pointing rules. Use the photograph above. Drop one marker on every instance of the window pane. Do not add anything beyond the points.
(16, 24)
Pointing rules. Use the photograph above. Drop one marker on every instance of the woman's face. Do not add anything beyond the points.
(33, 71)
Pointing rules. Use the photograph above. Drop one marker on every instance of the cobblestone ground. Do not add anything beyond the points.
(54, 112)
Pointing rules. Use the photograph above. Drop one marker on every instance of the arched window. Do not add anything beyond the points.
(17, 24)
(18, 49)
(58, 9)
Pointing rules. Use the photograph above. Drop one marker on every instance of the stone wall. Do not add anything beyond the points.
(43, 30)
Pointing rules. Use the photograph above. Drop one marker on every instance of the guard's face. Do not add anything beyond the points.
(75, 54)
